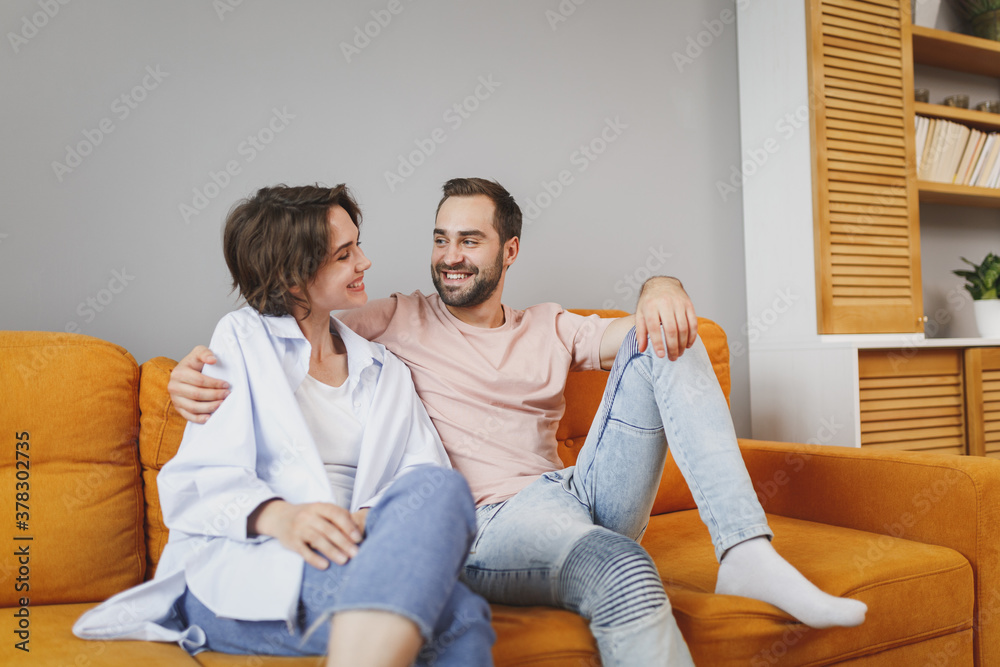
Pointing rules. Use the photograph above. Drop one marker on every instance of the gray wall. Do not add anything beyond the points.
(97, 240)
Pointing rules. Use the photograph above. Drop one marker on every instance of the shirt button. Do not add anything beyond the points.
(357, 404)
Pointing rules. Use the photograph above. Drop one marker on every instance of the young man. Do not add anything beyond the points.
(492, 380)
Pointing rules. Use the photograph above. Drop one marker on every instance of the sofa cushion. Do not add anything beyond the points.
(526, 636)
(892, 576)
(73, 399)
(162, 429)
(53, 644)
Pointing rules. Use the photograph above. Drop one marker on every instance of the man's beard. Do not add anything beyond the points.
(480, 287)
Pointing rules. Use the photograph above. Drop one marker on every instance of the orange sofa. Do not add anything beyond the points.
(85, 430)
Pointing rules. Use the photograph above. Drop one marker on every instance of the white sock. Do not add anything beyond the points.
(754, 569)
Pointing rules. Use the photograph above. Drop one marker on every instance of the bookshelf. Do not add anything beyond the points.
(980, 120)
(959, 53)
(958, 195)
(951, 50)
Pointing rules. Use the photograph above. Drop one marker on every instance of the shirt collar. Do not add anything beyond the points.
(361, 353)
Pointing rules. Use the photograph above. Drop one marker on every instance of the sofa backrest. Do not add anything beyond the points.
(73, 400)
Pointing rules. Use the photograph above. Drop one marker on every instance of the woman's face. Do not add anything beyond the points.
(339, 283)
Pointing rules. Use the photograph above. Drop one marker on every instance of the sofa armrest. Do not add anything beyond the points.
(946, 500)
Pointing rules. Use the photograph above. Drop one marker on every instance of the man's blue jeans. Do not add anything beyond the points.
(570, 538)
(416, 540)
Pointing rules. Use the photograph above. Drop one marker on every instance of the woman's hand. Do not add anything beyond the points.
(309, 528)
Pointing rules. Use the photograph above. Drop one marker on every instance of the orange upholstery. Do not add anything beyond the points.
(911, 535)
(159, 438)
(74, 400)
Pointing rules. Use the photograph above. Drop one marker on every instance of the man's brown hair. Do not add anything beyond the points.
(278, 239)
(506, 215)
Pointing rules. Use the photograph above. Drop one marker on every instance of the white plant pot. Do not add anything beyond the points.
(988, 317)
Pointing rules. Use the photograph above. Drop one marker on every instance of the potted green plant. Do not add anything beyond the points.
(983, 16)
(981, 283)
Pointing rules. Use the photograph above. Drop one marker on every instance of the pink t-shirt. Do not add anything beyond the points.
(494, 395)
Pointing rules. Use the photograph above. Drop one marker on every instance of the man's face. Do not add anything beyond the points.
(467, 261)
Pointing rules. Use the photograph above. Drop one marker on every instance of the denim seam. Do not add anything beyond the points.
(746, 533)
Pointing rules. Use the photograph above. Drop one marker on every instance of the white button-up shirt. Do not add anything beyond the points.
(255, 447)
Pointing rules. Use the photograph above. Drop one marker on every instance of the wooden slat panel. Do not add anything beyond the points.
(865, 194)
(888, 10)
(912, 399)
(894, 190)
(843, 80)
(862, 168)
(861, 27)
(864, 138)
(939, 445)
(866, 229)
(887, 130)
(831, 9)
(870, 271)
(866, 261)
(844, 65)
(867, 148)
(953, 389)
(898, 182)
(955, 433)
(873, 283)
(876, 122)
(900, 424)
(919, 413)
(868, 53)
(906, 381)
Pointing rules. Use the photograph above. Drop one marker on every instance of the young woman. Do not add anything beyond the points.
(319, 488)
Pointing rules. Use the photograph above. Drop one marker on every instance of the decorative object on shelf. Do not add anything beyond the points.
(959, 101)
(983, 16)
(990, 106)
(982, 285)
(921, 95)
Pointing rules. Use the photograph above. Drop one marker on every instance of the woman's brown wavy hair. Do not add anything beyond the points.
(278, 239)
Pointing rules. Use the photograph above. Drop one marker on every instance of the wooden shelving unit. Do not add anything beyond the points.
(958, 195)
(980, 120)
(960, 53)
(950, 50)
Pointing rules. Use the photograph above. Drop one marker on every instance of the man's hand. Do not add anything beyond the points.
(195, 395)
(308, 528)
(663, 303)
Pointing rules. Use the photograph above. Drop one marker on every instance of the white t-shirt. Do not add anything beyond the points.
(337, 431)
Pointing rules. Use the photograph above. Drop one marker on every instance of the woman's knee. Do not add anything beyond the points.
(438, 491)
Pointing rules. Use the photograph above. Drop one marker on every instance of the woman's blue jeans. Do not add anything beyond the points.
(570, 538)
(416, 540)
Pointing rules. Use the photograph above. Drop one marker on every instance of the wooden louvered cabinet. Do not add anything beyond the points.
(865, 197)
(982, 389)
(913, 400)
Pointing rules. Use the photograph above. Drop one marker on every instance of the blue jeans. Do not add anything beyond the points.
(570, 539)
(415, 542)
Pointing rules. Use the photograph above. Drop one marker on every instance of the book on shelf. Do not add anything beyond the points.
(950, 152)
